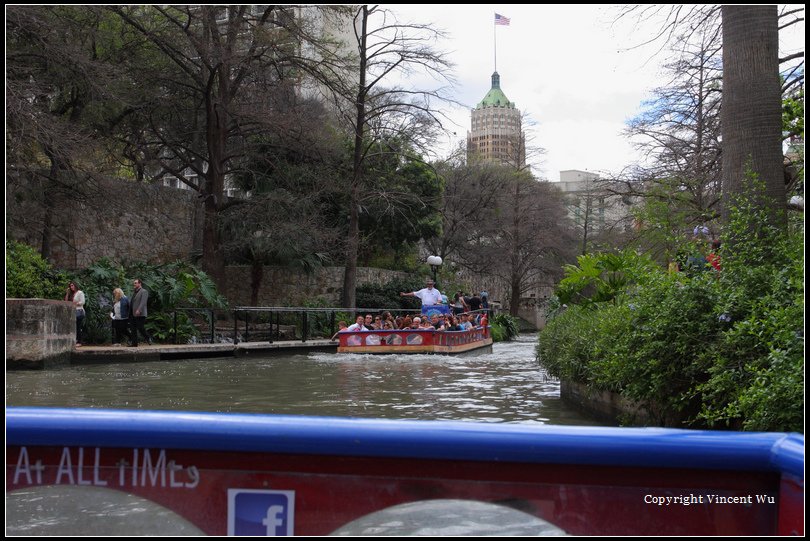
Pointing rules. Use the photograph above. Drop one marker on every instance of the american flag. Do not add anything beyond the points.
(500, 19)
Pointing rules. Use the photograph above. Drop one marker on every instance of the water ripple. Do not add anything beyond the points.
(504, 386)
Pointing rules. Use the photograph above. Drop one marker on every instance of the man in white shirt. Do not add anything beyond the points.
(358, 325)
(428, 295)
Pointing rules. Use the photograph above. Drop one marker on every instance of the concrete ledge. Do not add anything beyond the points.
(246, 349)
(40, 333)
(168, 352)
(605, 406)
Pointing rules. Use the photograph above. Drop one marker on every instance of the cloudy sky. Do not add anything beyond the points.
(572, 69)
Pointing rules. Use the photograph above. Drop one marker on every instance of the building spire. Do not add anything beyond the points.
(495, 97)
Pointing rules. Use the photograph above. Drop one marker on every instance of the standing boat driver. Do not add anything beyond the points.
(429, 295)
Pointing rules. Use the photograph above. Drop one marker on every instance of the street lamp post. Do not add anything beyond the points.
(435, 262)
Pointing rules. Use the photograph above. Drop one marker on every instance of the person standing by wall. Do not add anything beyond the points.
(137, 314)
(120, 315)
(76, 296)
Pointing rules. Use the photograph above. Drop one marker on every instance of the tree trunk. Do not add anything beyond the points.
(48, 204)
(352, 246)
(256, 275)
(216, 140)
(353, 238)
(514, 301)
(751, 116)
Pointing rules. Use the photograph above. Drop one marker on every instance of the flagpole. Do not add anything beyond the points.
(495, 42)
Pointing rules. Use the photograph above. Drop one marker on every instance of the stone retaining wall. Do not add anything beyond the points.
(40, 333)
(117, 219)
(282, 287)
(605, 406)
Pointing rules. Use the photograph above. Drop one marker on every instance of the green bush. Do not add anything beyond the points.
(387, 296)
(706, 349)
(170, 286)
(581, 344)
(503, 327)
(29, 276)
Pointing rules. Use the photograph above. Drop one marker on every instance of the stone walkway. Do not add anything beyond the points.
(91, 354)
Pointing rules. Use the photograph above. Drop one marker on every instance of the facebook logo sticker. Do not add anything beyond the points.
(260, 512)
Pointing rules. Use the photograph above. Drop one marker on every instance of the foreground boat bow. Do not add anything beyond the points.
(260, 474)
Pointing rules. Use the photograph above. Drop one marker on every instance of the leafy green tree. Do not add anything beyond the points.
(225, 76)
(290, 218)
(30, 276)
(62, 73)
(401, 204)
(383, 47)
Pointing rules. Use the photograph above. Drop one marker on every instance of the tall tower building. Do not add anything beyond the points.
(496, 133)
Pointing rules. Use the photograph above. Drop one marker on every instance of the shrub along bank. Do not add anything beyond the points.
(700, 349)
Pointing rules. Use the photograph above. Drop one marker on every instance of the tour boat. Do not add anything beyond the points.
(122, 472)
(416, 341)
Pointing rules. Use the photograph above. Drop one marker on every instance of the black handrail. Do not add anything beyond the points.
(278, 311)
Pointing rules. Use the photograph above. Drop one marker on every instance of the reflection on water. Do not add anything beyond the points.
(504, 386)
(88, 510)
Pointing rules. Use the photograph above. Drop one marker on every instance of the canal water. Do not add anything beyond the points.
(506, 385)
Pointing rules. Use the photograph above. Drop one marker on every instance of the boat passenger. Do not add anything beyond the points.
(342, 327)
(474, 302)
(369, 322)
(357, 325)
(449, 323)
(459, 304)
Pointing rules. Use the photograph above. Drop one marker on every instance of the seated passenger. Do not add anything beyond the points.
(452, 324)
(357, 325)
(341, 328)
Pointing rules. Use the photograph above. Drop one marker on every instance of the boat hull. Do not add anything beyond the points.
(416, 342)
(236, 473)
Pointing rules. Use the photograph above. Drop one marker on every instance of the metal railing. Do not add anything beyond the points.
(301, 321)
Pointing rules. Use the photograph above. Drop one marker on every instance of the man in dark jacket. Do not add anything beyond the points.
(137, 314)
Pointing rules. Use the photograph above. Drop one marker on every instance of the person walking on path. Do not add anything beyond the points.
(137, 314)
(120, 317)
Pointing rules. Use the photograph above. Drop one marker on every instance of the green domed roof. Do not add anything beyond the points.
(495, 97)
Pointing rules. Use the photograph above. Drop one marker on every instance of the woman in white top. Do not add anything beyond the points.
(76, 296)
(120, 317)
